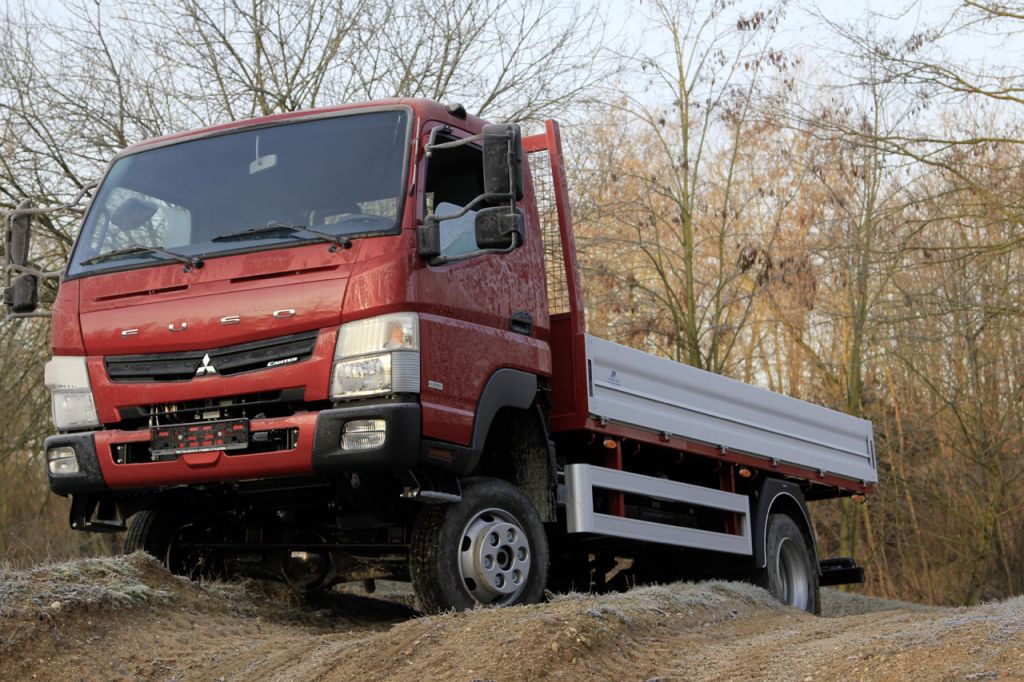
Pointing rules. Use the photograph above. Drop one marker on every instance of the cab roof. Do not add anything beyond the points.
(423, 109)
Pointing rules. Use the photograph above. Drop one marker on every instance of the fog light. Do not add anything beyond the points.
(363, 434)
(61, 461)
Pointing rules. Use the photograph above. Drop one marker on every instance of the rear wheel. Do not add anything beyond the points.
(489, 549)
(791, 574)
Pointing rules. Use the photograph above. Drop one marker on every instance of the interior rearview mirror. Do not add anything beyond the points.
(499, 228)
(261, 163)
(503, 162)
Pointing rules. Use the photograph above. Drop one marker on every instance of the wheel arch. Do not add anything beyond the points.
(505, 388)
(515, 445)
(776, 496)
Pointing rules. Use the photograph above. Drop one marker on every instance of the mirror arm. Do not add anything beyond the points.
(70, 206)
(454, 143)
(445, 260)
(28, 270)
(25, 209)
(465, 209)
(462, 141)
(15, 316)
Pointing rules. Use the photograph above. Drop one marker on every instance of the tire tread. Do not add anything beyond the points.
(762, 576)
(142, 531)
(422, 557)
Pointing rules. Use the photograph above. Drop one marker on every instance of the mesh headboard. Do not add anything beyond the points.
(554, 265)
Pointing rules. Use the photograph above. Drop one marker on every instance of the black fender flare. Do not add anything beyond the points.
(772, 495)
(506, 388)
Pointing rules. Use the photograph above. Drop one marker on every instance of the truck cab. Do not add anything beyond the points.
(350, 344)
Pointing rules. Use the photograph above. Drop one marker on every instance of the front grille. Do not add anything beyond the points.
(250, 406)
(183, 366)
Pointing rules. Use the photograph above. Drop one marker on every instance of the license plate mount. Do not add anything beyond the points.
(181, 439)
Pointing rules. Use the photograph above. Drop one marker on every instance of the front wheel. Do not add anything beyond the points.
(178, 542)
(791, 574)
(489, 548)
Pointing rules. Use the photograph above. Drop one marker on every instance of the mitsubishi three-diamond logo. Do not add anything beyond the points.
(206, 367)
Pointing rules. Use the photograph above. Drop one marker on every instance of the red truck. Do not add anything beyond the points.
(350, 344)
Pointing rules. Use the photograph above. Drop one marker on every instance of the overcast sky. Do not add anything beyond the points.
(804, 31)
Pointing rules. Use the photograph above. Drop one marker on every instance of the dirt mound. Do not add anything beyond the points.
(572, 635)
(127, 618)
(835, 603)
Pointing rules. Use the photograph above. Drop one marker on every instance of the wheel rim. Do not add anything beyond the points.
(187, 556)
(494, 557)
(793, 575)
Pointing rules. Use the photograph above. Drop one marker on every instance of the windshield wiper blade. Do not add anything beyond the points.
(343, 242)
(189, 261)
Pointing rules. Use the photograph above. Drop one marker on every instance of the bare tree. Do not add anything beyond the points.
(678, 200)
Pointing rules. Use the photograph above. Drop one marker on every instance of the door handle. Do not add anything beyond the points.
(521, 322)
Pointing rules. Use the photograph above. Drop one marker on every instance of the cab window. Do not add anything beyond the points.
(455, 178)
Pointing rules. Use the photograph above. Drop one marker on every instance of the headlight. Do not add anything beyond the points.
(368, 375)
(68, 380)
(377, 356)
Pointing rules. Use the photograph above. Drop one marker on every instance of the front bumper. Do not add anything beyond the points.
(317, 451)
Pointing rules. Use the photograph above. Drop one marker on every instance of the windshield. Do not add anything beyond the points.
(341, 175)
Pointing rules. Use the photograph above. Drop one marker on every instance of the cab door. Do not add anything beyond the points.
(478, 314)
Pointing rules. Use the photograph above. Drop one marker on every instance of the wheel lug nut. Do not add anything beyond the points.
(488, 562)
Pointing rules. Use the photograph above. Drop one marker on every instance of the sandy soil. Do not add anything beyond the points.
(127, 618)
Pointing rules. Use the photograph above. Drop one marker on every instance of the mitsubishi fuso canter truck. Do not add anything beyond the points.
(350, 344)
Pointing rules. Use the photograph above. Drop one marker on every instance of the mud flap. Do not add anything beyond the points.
(95, 515)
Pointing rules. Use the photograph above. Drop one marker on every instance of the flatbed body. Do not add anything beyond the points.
(642, 391)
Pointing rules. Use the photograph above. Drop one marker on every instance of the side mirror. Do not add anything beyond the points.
(19, 237)
(503, 162)
(23, 294)
(428, 238)
(498, 228)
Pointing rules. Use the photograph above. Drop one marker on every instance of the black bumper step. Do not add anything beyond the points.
(840, 571)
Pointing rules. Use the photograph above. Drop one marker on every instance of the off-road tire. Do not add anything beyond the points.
(149, 531)
(791, 571)
(154, 530)
(438, 540)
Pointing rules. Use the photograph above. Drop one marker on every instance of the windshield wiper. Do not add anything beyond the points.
(338, 240)
(189, 261)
